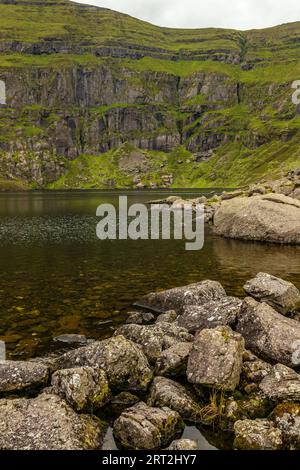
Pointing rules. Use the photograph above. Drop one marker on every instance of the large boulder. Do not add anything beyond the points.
(179, 297)
(47, 423)
(20, 375)
(153, 339)
(142, 427)
(84, 388)
(259, 434)
(281, 384)
(267, 333)
(123, 361)
(282, 295)
(173, 361)
(210, 315)
(166, 392)
(286, 417)
(271, 217)
(216, 358)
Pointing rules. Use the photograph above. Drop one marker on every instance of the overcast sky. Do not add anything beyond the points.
(239, 14)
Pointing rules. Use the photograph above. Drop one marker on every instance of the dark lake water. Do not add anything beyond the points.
(56, 277)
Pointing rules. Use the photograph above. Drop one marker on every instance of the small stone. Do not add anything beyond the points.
(259, 434)
(173, 361)
(70, 340)
(281, 384)
(183, 444)
(140, 318)
(168, 317)
(286, 417)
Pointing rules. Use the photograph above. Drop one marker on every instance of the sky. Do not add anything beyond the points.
(237, 14)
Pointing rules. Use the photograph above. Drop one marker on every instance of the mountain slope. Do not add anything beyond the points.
(95, 98)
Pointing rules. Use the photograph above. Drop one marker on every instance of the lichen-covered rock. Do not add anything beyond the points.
(179, 297)
(173, 361)
(84, 388)
(144, 428)
(267, 333)
(140, 318)
(153, 339)
(282, 295)
(20, 375)
(210, 315)
(47, 423)
(254, 371)
(183, 444)
(168, 317)
(253, 406)
(166, 392)
(121, 402)
(281, 384)
(259, 434)
(123, 361)
(286, 417)
(216, 358)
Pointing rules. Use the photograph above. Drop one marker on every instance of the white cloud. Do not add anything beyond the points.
(239, 14)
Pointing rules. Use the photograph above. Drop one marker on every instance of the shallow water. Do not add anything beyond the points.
(56, 277)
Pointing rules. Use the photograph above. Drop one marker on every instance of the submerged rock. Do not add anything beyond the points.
(183, 444)
(268, 333)
(71, 340)
(20, 375)
(173, 361)
(281, 384)
(144, 428)
(123, 361)
(84, 388)
(259, 434)
(166, 392)
(47, 423)
(179, 297)
(283, 296)
(286, 417)
(140, 318)
(210, 315)
(216, 358)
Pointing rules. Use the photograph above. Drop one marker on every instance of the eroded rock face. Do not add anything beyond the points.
(216, 358)
(283, 296)
(20, 375)
(259, 434)
(210, 315)
(281, 384)
(84, 388)
(47, 423)
(153, 339)
(286, 417)
(270, 217)
(166, 392)
(123, 361)
(144, 428)
(173, 361)
(267, 333)
(179, 297)
(183, 444)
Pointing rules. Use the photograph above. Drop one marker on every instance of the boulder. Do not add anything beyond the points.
(281, 384)
(183, 444)
(140, 318)
(210, 315)
(179, 297)
(269, 218)
(123, 361)
(142, 427)
(47, 423)
(153, 339)
(259, 434)
(216, 358)
(173, 361)
(267, 333)
(84, 388)
(282, 295)
(286, 417)
(20, 375)
(166, 392)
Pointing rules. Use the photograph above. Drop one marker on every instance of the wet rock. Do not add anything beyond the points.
(84, 388)
(173, 361)
(20, 375)
(123, 361)
(166, 392)
(47, 423)
(183, 444)
(210, 315)
(259, 434)
(281, 384)
(70, 340)
(179, 297)
(168, 317)
(267, 333)
(283, 296)
(144, 427)
(140, 318)
(216, 358)
(153, 339)
(286, 417)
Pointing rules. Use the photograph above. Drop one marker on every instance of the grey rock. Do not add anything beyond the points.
(259, 434)
(183, 444)
(255, 371)
(173, 361)
(70, 339)
(286, 417)
(140, 318)
(20, 375)
(168, 317)
(281, 384)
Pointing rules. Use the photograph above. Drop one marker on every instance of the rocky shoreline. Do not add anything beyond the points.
(224, 364)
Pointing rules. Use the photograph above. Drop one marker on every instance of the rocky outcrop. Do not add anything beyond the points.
(281, 384)
(259, 434)
(18, 375)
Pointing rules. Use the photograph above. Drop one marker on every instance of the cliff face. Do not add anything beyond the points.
(205, 107)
